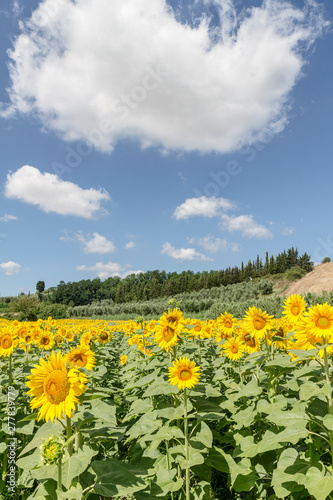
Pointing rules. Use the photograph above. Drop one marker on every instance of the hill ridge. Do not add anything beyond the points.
(318, 280)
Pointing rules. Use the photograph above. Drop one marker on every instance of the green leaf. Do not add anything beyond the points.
(289, 474)
(203, 435)
(288, 418)
(309, 390)
(328, 422)
(166, 433)
(318, 485)
(160, 388)
(146, 425)
(171, 413)
(195, 458)
(141, 382)
(117, 478)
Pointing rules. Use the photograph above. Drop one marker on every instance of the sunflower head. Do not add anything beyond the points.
(7, 342)
(293, 308)
(184, 373)
(123, 359)
(52, 449)
(54, 388)
(257, 322)
(233, 348)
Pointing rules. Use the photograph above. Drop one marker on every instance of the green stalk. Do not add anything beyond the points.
(59, 474)
(69, 433)
(187, 470)
(267, 349)
(10, 369)
(330, 402)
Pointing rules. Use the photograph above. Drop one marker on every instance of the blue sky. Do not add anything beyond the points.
(195, 135)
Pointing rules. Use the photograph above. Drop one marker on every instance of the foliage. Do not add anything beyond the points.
(27, 306)
(258, 427)
(294, 273)
(56, 311)
(152, 285)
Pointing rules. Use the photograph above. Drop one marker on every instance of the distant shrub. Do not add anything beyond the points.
(56, 311)
(294, 273)
(266, 287)
(326, 259)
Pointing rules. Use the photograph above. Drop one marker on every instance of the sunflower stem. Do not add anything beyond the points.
(10, 378)
(187, 470)
(267, 349)
(69, 433)
(330, 402)
(59, 474)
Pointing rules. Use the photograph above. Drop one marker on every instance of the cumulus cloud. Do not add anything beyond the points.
(182, 254)
(52, 194)
(246, 225)
(211, 243)
(129, 245)
(95, 244)
(108, 269)
(103, 71)
(7, 218)
(10, 268)
(287, 231)
(203, 206)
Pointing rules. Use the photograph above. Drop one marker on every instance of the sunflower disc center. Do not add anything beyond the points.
(185, 374)
(323, 322)
(295, 309)
(234, 348)
(80, 359)
(168, 333)
(56, 386)
(6, 342)
(259, 322)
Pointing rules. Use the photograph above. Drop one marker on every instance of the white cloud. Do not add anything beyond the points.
(203, 206)
(52, 194)
(7, 218)
(212, 244)
(96, 244)
(246, 225)
(108, 269)
(10, 268)
(129, 245)
(287, 231)
(182, 254)
(103, 71)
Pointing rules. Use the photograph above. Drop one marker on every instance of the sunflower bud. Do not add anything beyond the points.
(52, 449)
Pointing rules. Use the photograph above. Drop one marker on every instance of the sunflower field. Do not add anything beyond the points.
(175, 409)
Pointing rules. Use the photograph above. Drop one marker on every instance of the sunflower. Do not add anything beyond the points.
(233, 348)
(251, 344)
(45, 340)
(184, 373)
(175, 317)
(54, 388)
(7, 342)
(86, 339)
(226, 325)
(257, 322)
(103, 337)
(81, 356)
(281, 329)
(123, 359)
(294, 306)
(166, 334)
(319, 321)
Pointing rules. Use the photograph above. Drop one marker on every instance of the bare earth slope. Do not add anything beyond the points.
(316, 281)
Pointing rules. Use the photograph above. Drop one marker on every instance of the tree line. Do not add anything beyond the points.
(156, 284)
